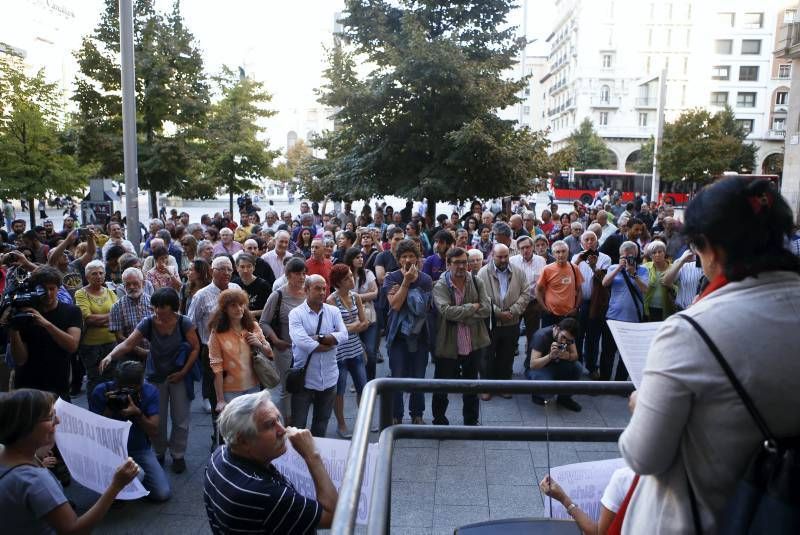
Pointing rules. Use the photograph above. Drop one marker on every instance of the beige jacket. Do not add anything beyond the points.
(517, 297)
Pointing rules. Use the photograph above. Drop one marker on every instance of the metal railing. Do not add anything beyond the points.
(379, 517)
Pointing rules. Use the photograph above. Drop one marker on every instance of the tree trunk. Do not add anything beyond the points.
(153, 204)
(230, 198)
(430, 214)
(32, 211)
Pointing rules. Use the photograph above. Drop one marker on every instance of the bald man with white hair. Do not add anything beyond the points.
(276, 257)
(131, 308)
(510, 293)
(203, 306)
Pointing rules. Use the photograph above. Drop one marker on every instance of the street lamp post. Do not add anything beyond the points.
(128, 74)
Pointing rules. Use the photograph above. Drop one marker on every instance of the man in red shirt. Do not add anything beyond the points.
(559, 287)
(317, 264)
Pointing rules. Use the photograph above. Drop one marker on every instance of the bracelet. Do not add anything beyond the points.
(570, 507)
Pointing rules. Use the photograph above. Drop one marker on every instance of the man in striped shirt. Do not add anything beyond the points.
(244, 492)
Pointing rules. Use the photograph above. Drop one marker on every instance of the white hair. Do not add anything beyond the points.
(133, 272)
(474, 253)
(236, 422)
(654, 246)
(282, 233)
(312, 279)
(628, 246)
(221, 261)
(157, 222)
(559, 243)
(250, 241)
(95, 265)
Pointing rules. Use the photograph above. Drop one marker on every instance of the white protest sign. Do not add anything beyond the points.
(334, 457)
(584, 483)
(93, 447)
(633, 342)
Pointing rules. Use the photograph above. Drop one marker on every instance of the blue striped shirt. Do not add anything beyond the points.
(244, 497)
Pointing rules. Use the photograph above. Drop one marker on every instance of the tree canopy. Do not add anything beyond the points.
(700, 146)
(172, 99)
(422, 122)
(34, 158)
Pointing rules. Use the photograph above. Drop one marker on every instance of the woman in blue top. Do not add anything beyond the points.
(629, 283)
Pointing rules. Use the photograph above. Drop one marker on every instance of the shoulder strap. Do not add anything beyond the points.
(277, 313)
(148, 327)
(319, 326)
(16, 466)
(748, 402)
(634, 294)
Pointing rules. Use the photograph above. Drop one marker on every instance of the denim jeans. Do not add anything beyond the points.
(563, 370)
(405, 363)
(370, 339)
(154, 480)
(355, 366)
(322, 401)
(230, 396)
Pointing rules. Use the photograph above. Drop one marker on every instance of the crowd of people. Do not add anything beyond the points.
(200, 302)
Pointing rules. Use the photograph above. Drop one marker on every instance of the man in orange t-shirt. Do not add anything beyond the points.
(559, 287)
(317, 264)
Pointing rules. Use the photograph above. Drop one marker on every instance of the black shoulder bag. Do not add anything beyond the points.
(275, 323)
(296, 377)
(767, 496)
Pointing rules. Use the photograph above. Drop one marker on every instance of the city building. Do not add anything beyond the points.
(606, 58)
(530, 110)
(789, 50)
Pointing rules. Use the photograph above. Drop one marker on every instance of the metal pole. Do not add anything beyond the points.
(129, 121)
(523, 59)
(662, 99)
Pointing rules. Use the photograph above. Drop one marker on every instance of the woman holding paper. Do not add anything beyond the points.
(31, 499)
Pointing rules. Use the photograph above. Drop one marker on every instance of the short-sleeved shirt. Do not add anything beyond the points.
(622, 306)
(387, 261)
(617, 488)
(163, 349)
(92, 304)
(541, 341)
(434, 266)
(27, 494)
(560, 285)
(257, 292)
(137, 438)
(47, 367)
(242, 496)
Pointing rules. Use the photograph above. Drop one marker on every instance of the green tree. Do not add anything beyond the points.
(236, 159)
(700, 146)
(33, 158)
(587, 148)
(172, 99)
(422, 122)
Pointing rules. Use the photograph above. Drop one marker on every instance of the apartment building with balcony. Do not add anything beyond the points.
(788, 50)
(530, 110)
(606, 57)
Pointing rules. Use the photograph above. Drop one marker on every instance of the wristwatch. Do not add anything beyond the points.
(570, 507)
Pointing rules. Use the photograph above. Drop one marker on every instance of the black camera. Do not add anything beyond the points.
(630, 260)
(562, 347)
(589, 253)
(117, 399)
(24, 295)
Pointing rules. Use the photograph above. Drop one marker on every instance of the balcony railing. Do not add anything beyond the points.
(789, 44)
(646, 102)
(607, 102)
(776, 133)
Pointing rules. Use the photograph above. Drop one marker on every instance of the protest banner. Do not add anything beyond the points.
(93, 447)
(584, 483)
(334, 457)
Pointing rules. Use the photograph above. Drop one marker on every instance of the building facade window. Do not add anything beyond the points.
(603, 118)
(784, 72)
(753, 21)
(781, 97)
(719, 98)
(726, 20)
(779, 124)
(746, 100)
(751, 46)
(607, 61)
(746, 125)
(723, 46)
(721, 72)
(605, 94)
(788, 16)
(748, 73)
(643, 119)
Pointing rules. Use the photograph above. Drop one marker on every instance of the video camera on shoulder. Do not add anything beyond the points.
(23, 295)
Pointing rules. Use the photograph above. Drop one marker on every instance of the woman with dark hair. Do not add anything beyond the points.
(161, 276)
(414, 232)
(349, 355)
(189, 246)
(485, 243)
(274, 324)
(113, 269)
(366, 287)
(31, 500)
(234, 337)
(691, 436)
(471, 225)
(174, 347)
(198, 277)
(304, 239)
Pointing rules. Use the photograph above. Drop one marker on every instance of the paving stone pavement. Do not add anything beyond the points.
(436, 485)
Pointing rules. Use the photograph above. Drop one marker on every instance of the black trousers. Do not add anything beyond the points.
(607, 356)
(463, 367)
(504, 345)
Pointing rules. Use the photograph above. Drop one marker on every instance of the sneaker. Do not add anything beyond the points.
(207, 406)
(417, 420)
(538, 400)
(178, 466)
(568, 403)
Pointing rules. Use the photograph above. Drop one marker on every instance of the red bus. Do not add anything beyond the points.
(585, 184)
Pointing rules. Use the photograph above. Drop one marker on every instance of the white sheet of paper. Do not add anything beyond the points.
(584, 483)
(93, 447)
(334, 457)
(633, 342)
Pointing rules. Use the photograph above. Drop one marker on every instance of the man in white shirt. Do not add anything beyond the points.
(608, 228)
(275, 257)
(532, 265)
(593, 266)
(115, 237)
(315, 329)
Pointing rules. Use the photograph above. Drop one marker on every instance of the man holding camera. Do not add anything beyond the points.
(44, 332)
(554, 357)
(592, 265)
(129, 397)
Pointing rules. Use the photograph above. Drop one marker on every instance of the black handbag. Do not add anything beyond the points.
(296, 376)
(767, 496)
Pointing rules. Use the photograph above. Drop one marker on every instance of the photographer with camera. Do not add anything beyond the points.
(129, 397)
(593, 265)
(554, 357)
(44, 333)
